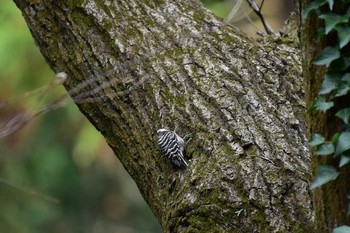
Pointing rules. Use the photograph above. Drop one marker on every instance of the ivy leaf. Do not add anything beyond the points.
(329, 83)
(322, 105)
(335, 138)
(316, 140)
(314, 5)
(330, 4)
(331, 20)
(343, 143)
(344, 159)
(340, 64)
(342, 90)
(328, 55)
(344, 114)
(343, 34)
(341, 229)
(326, 174)
(346, 78)
(325, 149)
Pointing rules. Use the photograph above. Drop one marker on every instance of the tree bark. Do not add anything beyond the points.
(137, 66)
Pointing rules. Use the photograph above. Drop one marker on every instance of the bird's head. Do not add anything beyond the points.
(160, 132)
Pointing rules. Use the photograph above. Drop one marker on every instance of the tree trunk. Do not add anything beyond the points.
(330, 200)
(136, 66)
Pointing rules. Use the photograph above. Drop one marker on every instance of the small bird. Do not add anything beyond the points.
(172, 146)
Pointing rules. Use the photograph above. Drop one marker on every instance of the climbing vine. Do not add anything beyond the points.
(335, 87)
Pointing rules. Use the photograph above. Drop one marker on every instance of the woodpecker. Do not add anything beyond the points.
(172, 146)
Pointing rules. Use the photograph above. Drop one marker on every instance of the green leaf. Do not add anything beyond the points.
(340, 64)
(330, 4)
(346, 78)
(326, 174)
(335, 138)
(342, 90)
(342, 229)
(344, 114)
(313, 5)
(332, 20)
(343, 34)
(325, 149)
(343, 143)
(316, 140)
(329, 83)
(328, 55)
(322, 105)
(344, 159)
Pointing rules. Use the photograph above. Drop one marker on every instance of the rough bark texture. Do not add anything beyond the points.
(330, 200)
(173, 64)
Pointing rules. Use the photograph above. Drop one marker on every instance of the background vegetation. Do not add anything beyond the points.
(58, 174)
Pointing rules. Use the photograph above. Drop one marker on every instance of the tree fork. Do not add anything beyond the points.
(180, 67)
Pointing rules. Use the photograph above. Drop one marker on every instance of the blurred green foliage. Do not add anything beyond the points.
(57, 174)
(221, 8)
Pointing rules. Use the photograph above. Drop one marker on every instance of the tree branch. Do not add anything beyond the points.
(259, 13)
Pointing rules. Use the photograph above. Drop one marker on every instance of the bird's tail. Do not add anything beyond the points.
(183, 163)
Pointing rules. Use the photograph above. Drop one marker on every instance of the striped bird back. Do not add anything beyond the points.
(169, 144)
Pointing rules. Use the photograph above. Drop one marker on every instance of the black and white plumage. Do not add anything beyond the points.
(172, 146)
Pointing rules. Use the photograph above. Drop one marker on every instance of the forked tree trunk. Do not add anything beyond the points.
(171, 63)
